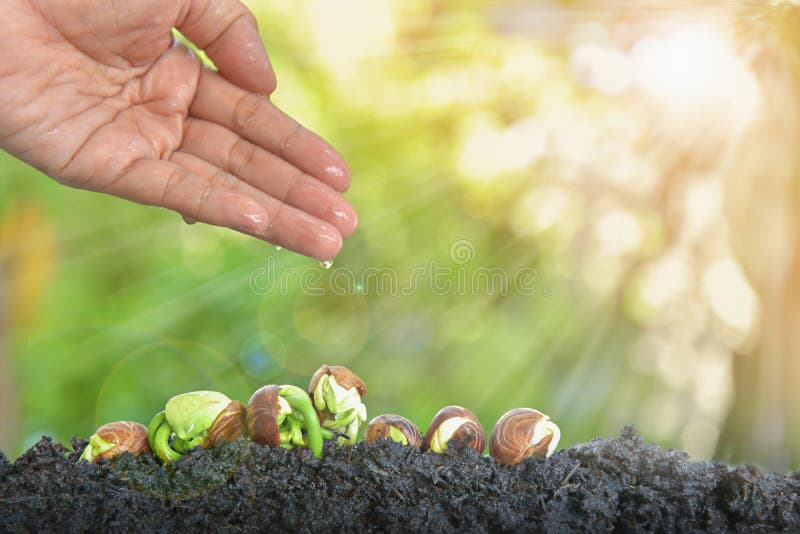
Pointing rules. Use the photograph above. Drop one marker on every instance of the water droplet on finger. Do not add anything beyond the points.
(326, 264)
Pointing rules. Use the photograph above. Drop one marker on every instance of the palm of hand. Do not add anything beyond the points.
(102, 100)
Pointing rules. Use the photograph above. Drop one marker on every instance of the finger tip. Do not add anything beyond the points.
(272, 81)
(337, 172)
(338, 176)
(268, 82)
(348, 223)
(328, 243)
(242, 58)
(263, 83)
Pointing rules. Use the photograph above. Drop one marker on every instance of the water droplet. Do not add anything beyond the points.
(278, 247)
(326, 264)
(334, 171)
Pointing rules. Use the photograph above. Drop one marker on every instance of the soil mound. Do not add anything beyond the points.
(606, 484)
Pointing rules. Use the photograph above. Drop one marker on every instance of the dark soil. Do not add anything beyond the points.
(603, 485)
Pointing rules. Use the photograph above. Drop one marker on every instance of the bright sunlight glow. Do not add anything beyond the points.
(730, 295)
(349, 31)
(695, 67)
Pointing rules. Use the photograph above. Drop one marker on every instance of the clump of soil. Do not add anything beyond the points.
(602, 485)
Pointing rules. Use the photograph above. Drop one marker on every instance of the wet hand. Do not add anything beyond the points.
(95, 94)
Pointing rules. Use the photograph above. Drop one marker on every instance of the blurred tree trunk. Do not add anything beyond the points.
(762, 206)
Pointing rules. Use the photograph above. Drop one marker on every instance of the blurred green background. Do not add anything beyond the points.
(590, 208)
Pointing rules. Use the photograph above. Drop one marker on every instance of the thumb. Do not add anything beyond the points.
(227, 31)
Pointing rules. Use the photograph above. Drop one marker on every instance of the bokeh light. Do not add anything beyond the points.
(308, 329)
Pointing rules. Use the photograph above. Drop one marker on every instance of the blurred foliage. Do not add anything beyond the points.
(492, 135)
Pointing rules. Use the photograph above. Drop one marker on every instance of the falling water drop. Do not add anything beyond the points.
(326, 264)
(278, 247)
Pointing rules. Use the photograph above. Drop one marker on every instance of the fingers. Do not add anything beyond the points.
(268, 173)
(228, 33)
(288, 227)
(256, 119)
(200, 192)
(168, 184)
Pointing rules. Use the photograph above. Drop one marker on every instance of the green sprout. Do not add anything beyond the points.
(397, 435)
(285, 416)
(196, 419)
(337, 392)
(96, 448)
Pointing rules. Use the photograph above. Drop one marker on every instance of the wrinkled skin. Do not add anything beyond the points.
(95, 94)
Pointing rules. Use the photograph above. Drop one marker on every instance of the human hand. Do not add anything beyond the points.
(95, 94)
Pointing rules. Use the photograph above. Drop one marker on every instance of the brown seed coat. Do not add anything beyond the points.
(229, 426)
(510, 440)
(379, 428)
(262, 416)
(470, 434)
(344, 377)
(126, 435)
